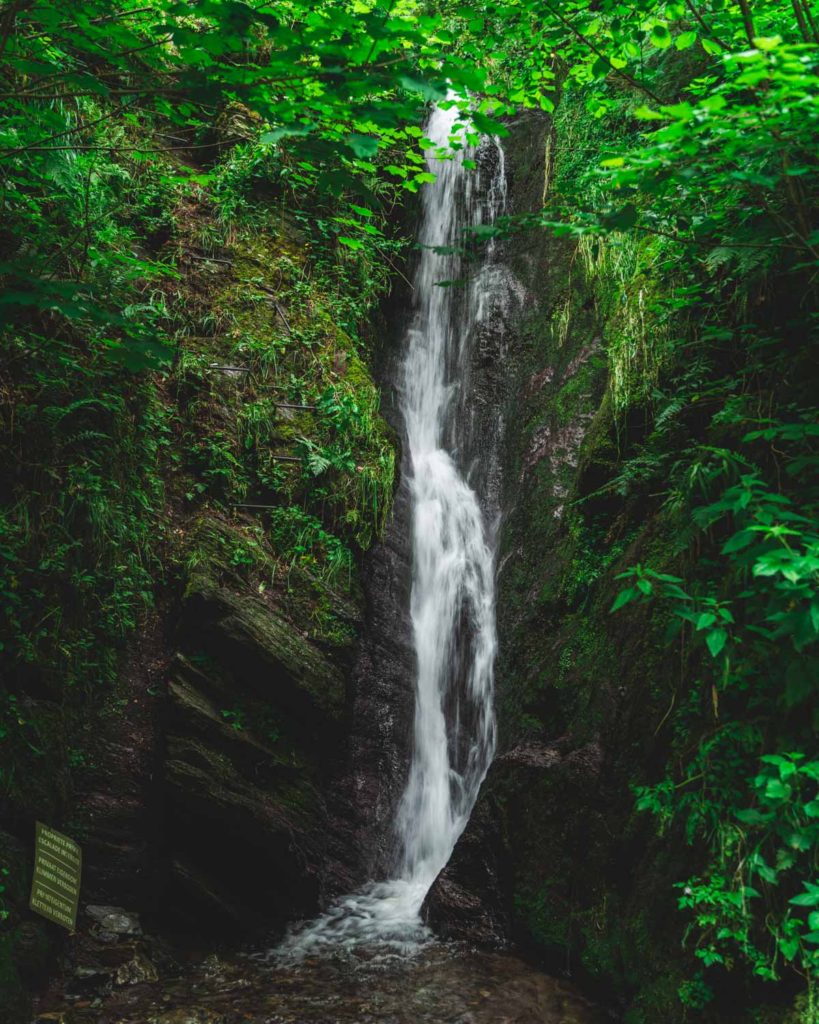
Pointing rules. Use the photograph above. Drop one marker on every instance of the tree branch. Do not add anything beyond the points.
(91, 92)
(103, 19)
(117, 149)
(705, 26)
(800, 21)
(587, 42)
(810, 20)
(747, 20)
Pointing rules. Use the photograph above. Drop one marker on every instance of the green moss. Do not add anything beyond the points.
(580, 391)
(545, 925)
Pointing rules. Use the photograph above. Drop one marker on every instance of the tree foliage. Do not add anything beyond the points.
(708, 112)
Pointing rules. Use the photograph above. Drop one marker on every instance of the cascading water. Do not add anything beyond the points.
(453, 593)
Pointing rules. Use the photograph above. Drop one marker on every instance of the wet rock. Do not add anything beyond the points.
(136, 970)
(89, 980)
(437, 985)
(116, 798)
(382, 698)
(114, 920)
(268, 654)
(33, 952)
(190, 1015)
(253, 741)
(471, 897)
(94, 968)
(246, 854)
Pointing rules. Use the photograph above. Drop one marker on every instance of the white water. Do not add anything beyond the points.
(453, 594)
(453, 591)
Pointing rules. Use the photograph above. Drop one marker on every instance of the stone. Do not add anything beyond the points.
(254, 732)
(470, 899)
(135, 971)
(189, 1015)
(269, 654)
(114, 920)
(473, 897)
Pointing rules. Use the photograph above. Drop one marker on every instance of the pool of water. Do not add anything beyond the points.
(437, 984)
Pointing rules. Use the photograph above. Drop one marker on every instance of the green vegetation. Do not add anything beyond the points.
(692, 193)
(200, 207)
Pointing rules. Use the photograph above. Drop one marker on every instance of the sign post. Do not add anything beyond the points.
(55, 888)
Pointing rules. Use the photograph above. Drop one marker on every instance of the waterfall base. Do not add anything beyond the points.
(441, 985)
(383, 919)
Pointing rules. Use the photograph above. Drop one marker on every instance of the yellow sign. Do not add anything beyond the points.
(55, 888)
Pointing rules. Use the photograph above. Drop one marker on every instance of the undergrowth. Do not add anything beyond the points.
(710, 347)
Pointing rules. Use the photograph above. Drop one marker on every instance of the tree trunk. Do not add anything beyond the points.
(800, 21)
(810, 20)
(748, 20)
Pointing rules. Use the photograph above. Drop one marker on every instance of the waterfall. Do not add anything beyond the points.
(453, 591)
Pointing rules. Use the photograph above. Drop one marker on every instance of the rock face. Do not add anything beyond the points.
(117, 806)
(474, 897)
(554, 857)
(471, 899)
(206, 804)
(382, 699)
(246, 819)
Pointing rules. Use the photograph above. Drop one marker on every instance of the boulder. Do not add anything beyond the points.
(114, 920)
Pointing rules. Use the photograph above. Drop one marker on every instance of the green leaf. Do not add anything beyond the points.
(622, 220)
(623, 598)
(767, 43)
(716, 640)
(800, 841)
(805, 899)
(661, 37)
(685, 40)
(362, 145)
(738, 542)
(644, 113)
(427, 90)
(777, 790)
(751, 816)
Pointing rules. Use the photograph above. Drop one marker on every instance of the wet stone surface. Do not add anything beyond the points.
(438, 985)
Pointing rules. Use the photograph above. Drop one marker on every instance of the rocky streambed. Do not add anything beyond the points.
(125, 978)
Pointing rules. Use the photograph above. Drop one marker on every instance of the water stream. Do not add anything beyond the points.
(453, 591)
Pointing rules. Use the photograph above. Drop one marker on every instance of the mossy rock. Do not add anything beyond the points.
(270, 655)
